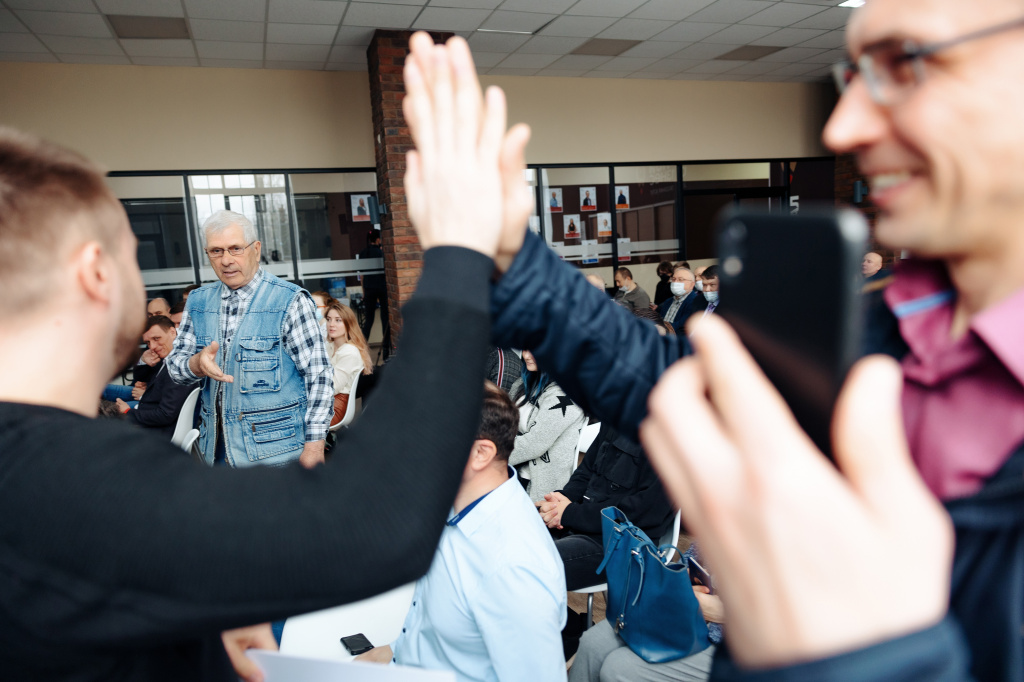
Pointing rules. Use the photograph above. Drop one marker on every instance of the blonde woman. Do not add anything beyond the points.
(348, 352)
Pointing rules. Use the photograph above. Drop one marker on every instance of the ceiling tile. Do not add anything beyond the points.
(235, 31)
(654, 48)
(232, 63)
(755, 68)
(604, 8)
(528, 61)
(688, 32)
(94, 58)
(577, 27)
(165, 61)
(347, 53)
(634, 29)
(354, 35)
(561, 73)
(347, 66)
(20, 42)
(496, 42)
(142, 8)
(768, 78)
(793, 54)
(731, 77)
(10, 24)
(580, 61)
(301, 34)
(446, 19)
(831, 40)
(704, 51)
(467, 4)
(27, 57)
(501, 71)
(788, 36)
(729, 11)
(557, 6)
(158, 48)
(234, 10)
(832, 18)
(796, 69)
(713, 66)
(418, 3)
(606, 74)
(648, 75)
(517, 21)
(783, 14)
(550, 45)
(626, 64)
(828, 57)
(93, 46)
(288, 65)
(672, 65)
(488, 59)
(66, 24)
(210, 49)
(85, 6)
(306, 11)
(297, 53)
(739, 34)
(672, 10)
(380, 15)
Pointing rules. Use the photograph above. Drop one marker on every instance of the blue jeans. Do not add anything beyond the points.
(114, 391)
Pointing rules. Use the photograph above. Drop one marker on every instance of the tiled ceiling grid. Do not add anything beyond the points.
(678, 39)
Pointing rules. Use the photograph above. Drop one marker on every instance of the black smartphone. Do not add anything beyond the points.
(356, 644)
(699, 575)
(791, 288)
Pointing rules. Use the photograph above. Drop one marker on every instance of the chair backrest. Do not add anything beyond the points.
(185, 418)
(672, 536)
(190, 439)
(350, 410)
(587, 436)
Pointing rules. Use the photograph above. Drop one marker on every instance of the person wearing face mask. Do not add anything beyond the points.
(629, 294)
(321, 299)
(663, 292)
(710, 288)
(684, 300)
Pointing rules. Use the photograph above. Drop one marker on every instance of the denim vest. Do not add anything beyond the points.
(263, 412)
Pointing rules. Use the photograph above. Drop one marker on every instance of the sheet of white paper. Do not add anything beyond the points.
(278, 667)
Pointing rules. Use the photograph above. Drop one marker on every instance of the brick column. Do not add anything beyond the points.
(403, 257)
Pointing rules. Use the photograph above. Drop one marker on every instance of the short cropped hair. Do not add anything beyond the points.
(178, 307)
(52, 202)
(223, 219)
(499, 421)
(624, 272)
(710, 272)
(159, 321)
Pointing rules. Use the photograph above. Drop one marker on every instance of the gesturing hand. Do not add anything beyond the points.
(237, 642)
(204, 364)
(150, 357)
(464, 181)
(810, 562)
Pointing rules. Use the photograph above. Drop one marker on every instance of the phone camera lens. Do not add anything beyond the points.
(737, 231)
(732, 266)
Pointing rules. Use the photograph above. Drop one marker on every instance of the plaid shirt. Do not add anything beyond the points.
(301, 336)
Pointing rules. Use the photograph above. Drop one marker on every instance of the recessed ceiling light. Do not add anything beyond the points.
(749, 53)
(605, 47)
(852, 3)
(158, 28)
(495, 30)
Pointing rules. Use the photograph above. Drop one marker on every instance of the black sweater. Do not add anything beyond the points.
(118, 562)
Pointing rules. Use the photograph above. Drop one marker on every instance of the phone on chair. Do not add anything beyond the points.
(356, 644)
(791, 288)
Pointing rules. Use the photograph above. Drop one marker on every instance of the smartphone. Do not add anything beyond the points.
(356, 644)
(791, 288)
(699, 575)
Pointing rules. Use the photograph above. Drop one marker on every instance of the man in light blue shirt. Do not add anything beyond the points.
(493, 604)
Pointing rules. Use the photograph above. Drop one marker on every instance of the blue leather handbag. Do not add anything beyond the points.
(650, 602)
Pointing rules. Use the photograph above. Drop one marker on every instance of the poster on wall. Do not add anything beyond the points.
(625, 251)
(604, 224)
(571, 224)
(621, 196)
(361, 207)
(589, 251)
(555, 200)
(588, 198)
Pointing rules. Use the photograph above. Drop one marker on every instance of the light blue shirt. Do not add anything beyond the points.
(493, 604)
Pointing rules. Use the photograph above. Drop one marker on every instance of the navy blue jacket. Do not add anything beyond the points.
(694, 302)
(160, 404)
(607, 362)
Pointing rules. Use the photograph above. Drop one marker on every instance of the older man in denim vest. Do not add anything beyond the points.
(254, 341)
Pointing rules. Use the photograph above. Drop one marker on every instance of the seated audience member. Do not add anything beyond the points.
(188, 290)
(614, 473)
(664, 328)
(630, 295)
(549, 430)
(710, 289)
(160, 404)
(494, 600)
(604, 657)
(176, 311)
(348, 353)
(698, 273)
(321, 299)
(684, 302)
(662, 292)
(504, 368)
(158, 306)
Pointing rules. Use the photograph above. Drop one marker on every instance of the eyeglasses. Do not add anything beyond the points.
(893, 68)
(233, 250)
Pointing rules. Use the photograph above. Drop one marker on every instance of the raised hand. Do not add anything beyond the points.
(204, 364)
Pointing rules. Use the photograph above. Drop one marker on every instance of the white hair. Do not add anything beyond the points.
(223, 219)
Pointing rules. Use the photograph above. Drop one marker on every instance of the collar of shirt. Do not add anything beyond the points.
(245, 291)
(961, 397)
(486, 505)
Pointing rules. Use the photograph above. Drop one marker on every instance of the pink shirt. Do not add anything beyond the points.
(963, 400)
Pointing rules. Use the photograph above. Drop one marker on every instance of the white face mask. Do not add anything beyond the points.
(698, 285)
(711, 296)
(319, 314)
(678, 288)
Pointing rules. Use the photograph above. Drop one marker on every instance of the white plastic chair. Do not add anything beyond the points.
(350, 411)
(587, 436)
(669, 538)
(185, 419)
(189, 441)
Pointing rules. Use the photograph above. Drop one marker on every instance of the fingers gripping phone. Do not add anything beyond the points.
(699, 575)
(791, 288)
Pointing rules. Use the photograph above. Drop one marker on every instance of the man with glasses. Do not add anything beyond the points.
(255, 342)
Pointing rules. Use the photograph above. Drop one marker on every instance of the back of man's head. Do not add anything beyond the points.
(625, 272)
(499, 421)
(52, 201)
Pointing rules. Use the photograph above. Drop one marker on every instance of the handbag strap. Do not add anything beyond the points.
(635, 555)
(611, 549)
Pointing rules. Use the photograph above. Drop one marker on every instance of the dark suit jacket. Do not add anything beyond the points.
(695, 302)
(161, 403)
